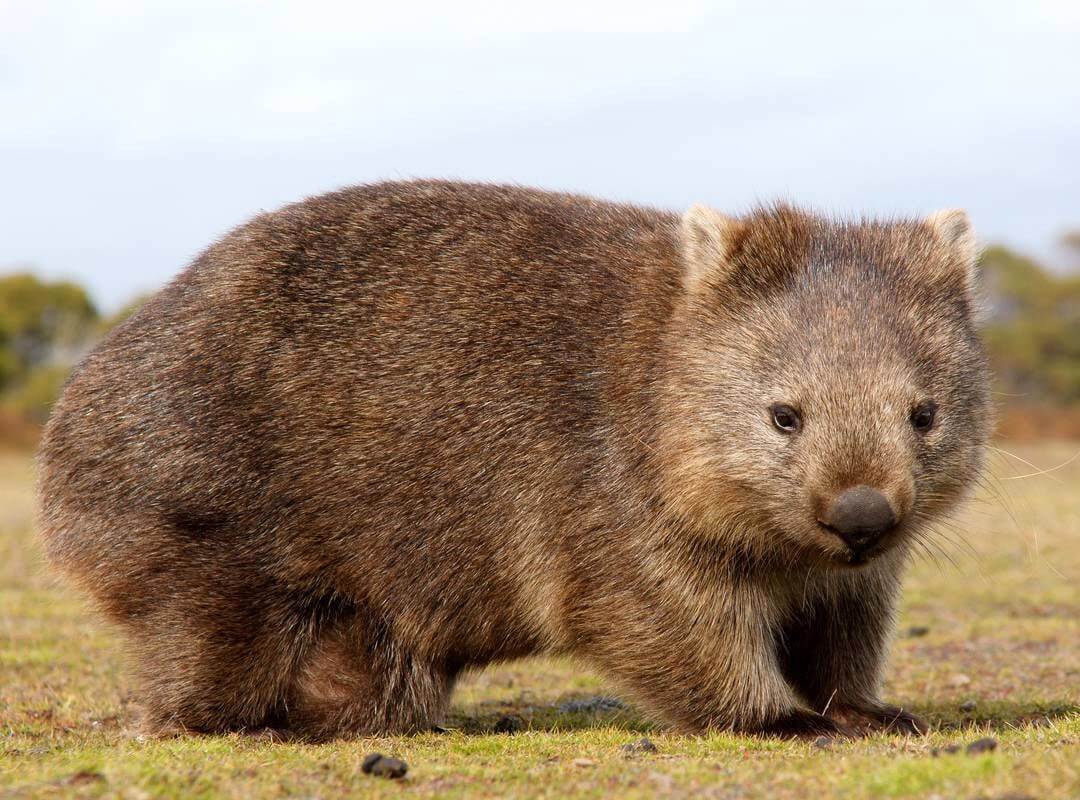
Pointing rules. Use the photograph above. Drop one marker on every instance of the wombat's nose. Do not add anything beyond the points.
(861, 516)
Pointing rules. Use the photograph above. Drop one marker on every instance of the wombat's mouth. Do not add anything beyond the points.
(857, 554)
(858, 559)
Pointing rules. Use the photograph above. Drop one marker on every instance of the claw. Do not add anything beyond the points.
(880, 718)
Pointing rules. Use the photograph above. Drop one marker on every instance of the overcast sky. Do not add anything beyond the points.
(132, 134)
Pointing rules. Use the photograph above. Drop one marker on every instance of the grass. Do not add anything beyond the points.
(999, 656)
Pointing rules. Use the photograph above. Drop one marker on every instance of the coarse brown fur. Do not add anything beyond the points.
(383, 435)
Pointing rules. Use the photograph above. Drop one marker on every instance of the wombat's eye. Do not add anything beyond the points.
(785, 418)
(922, 416)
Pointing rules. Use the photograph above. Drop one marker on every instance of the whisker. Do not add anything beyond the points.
(1010, 454)
(1065, 463)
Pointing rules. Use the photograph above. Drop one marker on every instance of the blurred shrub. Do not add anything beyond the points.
(31, 398)
(45, 327)
(1033, 330)
(41, 323)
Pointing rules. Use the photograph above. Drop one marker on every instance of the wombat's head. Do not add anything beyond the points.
(829, 392)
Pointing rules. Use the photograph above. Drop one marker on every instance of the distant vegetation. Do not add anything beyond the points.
(1032, 329)
(45, 329)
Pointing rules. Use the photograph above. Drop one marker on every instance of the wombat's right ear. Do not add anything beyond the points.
(953, 229)
(708, 241)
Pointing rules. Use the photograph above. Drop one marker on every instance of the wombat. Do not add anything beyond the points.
(388, 434)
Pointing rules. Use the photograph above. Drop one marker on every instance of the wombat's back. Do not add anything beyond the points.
(357, 384)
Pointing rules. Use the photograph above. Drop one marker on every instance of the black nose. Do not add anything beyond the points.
(861, 516)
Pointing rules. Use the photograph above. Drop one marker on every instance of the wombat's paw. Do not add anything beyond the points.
(897, 720)
(879, 718)
(146, 726)
(805, 724)
(146, 731)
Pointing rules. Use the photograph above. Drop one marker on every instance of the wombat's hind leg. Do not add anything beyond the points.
(356, 680)
(218, 665)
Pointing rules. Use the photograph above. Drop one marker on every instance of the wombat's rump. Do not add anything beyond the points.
(386, 434)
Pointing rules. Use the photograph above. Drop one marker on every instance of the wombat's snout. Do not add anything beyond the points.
(861, 516)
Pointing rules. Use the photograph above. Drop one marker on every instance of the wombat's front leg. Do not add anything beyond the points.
(701, 663)
(834, 649)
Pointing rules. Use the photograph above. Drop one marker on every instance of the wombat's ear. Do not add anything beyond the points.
(708, 241)
(953, 229)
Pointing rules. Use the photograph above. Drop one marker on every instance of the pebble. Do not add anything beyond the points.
(823, 742)
(967, 706)
(640, 747)
(509, 723)
(946, 750)
(987, 744)
(84, 777)
(383, 767)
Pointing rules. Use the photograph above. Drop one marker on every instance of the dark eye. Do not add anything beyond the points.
(922, 416)
(785, 418)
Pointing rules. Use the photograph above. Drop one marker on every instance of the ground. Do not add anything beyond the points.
(988, 646)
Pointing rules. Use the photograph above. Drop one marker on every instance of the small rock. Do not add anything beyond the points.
(915, 631)
(383, 767)
(84, 777)
(509, 723)
(823, 742)
(946, 750)
(959, 679)
(967, 706)
(592, 704)
(640, 747)
(987, 744)
(583, 762)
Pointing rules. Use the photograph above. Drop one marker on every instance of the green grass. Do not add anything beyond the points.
(1004, 632)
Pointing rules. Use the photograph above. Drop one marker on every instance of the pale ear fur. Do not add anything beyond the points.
(953, 228)
(708, 240)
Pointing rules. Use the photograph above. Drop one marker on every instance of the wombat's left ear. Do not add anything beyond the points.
(953, 229)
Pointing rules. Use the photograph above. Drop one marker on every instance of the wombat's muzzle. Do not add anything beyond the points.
(861, 516)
